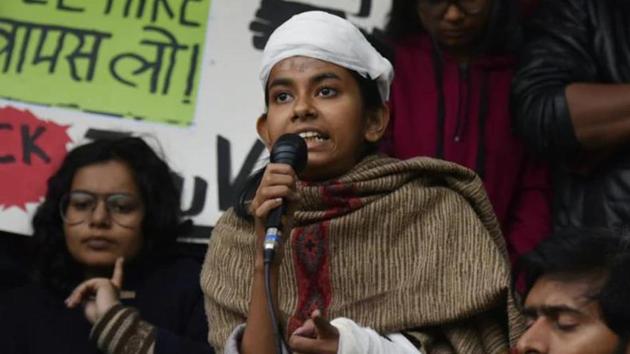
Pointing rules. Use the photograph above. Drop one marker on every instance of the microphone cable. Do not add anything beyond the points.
(277, 328)
(289, 149)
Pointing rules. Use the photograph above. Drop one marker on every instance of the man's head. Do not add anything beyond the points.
(458, 26)
(577, 292)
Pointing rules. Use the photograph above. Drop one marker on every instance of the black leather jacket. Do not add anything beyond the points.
(575, 41)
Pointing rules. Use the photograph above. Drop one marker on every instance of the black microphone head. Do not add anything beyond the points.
(291, 150)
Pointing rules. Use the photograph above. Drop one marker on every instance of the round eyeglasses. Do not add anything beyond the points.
(439, 7)
(78, 206)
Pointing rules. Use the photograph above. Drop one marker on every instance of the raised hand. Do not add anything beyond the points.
(315, 336)
(98, 294)
(277, 185)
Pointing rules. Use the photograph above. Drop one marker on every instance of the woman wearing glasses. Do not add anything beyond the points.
(104, 238)
(450, 99)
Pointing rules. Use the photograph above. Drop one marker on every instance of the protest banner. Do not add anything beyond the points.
(181, 73)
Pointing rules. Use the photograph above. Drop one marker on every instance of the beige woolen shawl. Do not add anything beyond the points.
(393, 245)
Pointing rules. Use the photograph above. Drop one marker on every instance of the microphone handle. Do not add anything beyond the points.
(274, 219)
(273, 232)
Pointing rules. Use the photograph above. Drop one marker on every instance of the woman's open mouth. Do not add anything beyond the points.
(313, 136)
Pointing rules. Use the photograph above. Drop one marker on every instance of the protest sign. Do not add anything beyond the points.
(181, 73)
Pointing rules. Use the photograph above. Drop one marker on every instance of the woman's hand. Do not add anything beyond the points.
(98, 295)
(315, 336)
(276, 186)
(277, 183)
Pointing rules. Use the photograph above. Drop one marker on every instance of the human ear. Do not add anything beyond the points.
(263, 130)
(376, 125)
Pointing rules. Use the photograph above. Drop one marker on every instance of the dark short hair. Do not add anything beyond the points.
(503, 32)
(574, 253)
(54, 266)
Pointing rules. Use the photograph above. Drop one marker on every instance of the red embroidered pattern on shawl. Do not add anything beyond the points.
(311, 254)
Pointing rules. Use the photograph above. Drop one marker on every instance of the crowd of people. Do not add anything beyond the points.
(469, 195)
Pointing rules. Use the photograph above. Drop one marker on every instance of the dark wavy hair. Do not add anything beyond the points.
(581, 253)
(54, 266)
(371, 101)
(503, 32)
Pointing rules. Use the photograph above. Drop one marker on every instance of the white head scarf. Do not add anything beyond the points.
(327, 37)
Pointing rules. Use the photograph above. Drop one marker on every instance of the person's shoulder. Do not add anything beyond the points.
(185, 264)
(422, 176)
(419, 167)
(177, 269)
(168, 283)
(29, 298)
(26, 292)
(440, 168)
(459, 183)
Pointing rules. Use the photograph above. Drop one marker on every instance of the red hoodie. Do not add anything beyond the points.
(474, 125)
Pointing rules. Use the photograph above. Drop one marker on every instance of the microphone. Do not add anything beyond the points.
(289, 149)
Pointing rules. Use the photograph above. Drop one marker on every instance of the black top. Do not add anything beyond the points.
(34, 319)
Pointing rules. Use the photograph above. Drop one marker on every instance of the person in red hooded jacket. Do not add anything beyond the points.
(450, 100)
